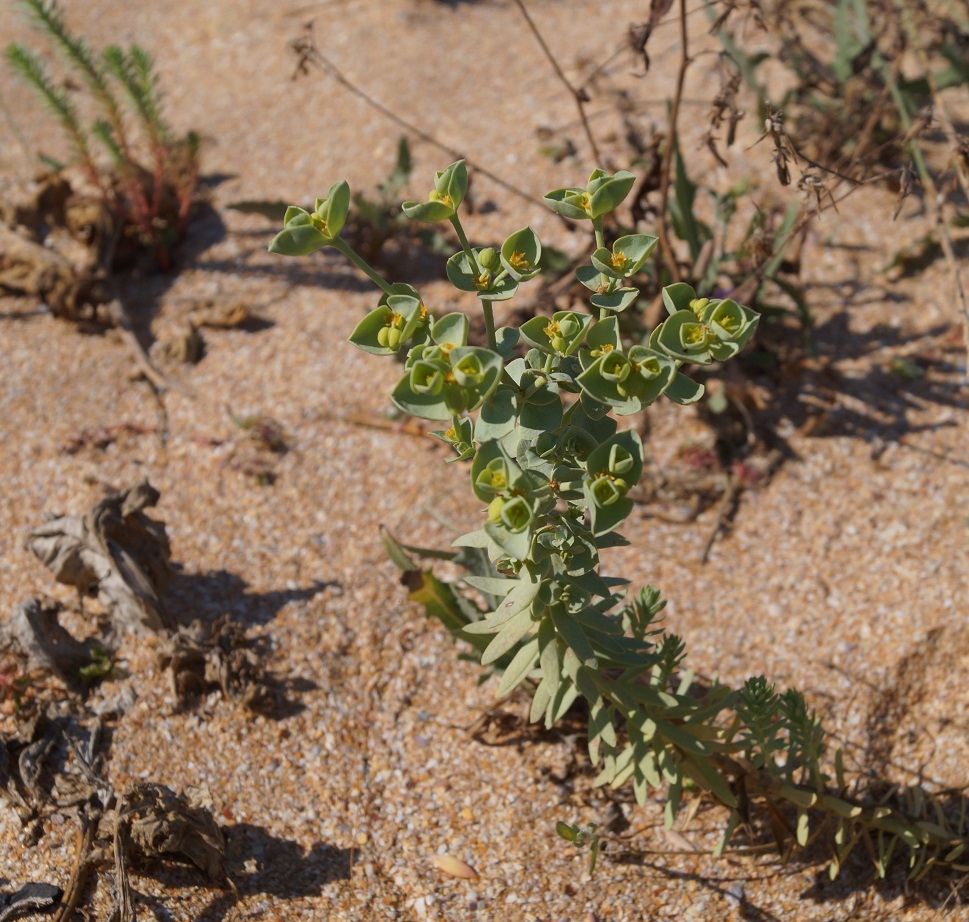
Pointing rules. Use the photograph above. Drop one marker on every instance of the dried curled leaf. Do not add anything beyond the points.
(184, 345)
(22, 763)
(114, 552)
(155, 822)
(70, 291)
(203, 658)
(33, 629)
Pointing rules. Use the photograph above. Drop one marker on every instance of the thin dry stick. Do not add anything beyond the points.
(662, 231)
(309, 53)
(578, 94)
(728, 505)
(80, 870)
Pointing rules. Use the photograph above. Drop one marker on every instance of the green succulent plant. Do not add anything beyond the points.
(534, 414)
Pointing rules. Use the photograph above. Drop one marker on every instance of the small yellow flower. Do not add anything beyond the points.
(519, 261)
(696, 336)
(619, 261)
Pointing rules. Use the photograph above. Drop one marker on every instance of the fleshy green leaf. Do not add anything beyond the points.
(298, 240)
(678, 297)
(570, 203)
(616, 301)
(427, 212)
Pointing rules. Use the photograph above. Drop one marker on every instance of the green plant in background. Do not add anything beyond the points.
(533, 413)
(851, 107)
(149, 195)
(850, 96)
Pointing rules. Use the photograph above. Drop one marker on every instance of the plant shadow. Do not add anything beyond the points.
(284, 869)
(871, 387)
(207, 596)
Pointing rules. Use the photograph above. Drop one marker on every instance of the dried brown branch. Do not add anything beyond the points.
(308, 53)
(578, 93)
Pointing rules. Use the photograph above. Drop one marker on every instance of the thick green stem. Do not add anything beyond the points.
(459, 230)
(358, 261)
(600, 244)
(600, 237)
(489, 318)
(486, 306)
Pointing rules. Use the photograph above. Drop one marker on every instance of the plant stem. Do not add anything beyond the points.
(487, 308)
(600, 237)
(459, 230)
(600, 244)
(346, 250)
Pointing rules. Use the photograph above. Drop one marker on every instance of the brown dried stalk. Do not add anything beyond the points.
(578, 93)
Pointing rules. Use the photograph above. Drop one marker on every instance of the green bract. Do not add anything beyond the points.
(627, 257)
(561, 335)
(488, 285)
(627, 383)
(460, 436)
(602, 194)
(521, 253)
(450, 186)
(616, 300)
(441, 383)
(731, 323)
(395, 320)
(304, 232)
(611, 470)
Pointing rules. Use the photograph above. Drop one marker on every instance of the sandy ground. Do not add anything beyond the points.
(846, 576)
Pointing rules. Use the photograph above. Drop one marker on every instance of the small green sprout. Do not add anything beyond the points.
(582, 837)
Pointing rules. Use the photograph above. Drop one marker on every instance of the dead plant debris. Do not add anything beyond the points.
(221, 315)
(114, 552)
(204, 658)
(153, 822)
(22, 761)
(35, 632)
